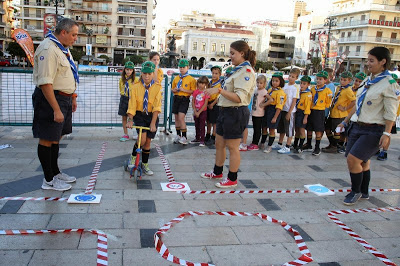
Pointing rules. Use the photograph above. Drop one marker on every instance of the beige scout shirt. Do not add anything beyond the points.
(52, 67)
(242, 83)
(380, 103)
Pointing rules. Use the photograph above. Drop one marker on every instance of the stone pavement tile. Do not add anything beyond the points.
(111, 174)
(389, 246)
(112, 194)
(344, 174)
(24, 221)
(290, 175)
(324, 231)
(390, 216)
(149, 220)
(337, 202)
(186, 205)
(177, 167)
(114, 206)
(16, 257)
(328, 251)
(130, 194)
(52, 207)
(186, 236)
(73, 257)
(254, 175)
(240, 205)
(95, 221)
(384, 228)
(362, 230)
(218, 220)
(117, 238)
(388, 199)
(44, 241)
(372, 262)
(115, 184)
(9, 175)
(297, 217)
(210, 196)
(262, 234)
(210, 185)
(145, 256)
(305, 204)
(260, 254)
(192, 254)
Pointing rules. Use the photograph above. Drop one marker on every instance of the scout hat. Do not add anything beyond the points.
(183, 63)
(322, 74)
(394, 76)
(214, 67)
(129, 65)
(278, 75)
(148, 67)
(306, 79)
(346, 74)
(360, 75)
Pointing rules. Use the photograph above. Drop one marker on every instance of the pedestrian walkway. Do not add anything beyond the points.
(217, 228)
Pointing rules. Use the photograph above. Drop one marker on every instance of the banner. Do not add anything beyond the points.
(333, 52)
(49, 23)
(323, 42)
(340, 60)
(101, 39)
(88, 49)
(25, 41)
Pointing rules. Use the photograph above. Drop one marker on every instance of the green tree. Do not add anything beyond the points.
(316, 62)
(76, 54)
(108, 59)
(15, 49)
(136, 59)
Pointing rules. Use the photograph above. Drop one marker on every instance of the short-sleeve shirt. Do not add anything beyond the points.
(242, 82)
(346, 96)
(51, 66)
(259, 97)
(305, 102)
(159, 76)
(137, 95)
(188, 83)
(292, 92)
(199, 98)
(214, 96)
(122, 86)
(324, 99)
(279, 97)
(332, 87)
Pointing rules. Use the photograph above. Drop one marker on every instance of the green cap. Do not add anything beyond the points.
(278, 75)
(322, 74)
(360, 75)
(214, 67)
(183, 63)
(394, 76)
(130, 65)
(306, 79)
(148, 67)
(346, 74)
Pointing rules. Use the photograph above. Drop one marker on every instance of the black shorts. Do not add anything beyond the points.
(143, 120)
(299, 117)
(269, 114)
(44, 126)
(316, 121)
(363, 141)
(123, 105)
(286, 126)
(232, 121)
(180, 104)
(212, 114)
(332, 123)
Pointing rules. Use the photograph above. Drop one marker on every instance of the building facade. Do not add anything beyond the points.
(7, 22)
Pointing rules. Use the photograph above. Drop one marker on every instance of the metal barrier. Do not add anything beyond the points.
(98, 99)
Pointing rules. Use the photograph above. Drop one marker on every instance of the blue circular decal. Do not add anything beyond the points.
(369, 102)
(319, 189)
(41, 58)
(85, 198)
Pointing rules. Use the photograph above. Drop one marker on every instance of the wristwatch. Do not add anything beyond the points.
(129, 119)
(387, 134)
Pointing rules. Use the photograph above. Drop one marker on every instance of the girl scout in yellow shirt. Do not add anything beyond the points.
(302, 113)
(144, 107)
(158, 73)
(212, 109)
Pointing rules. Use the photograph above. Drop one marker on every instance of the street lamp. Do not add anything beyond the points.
(330, 22)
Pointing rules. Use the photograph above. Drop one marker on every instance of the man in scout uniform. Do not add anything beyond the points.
(55, 77)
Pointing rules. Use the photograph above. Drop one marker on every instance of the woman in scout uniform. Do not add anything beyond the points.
(372, 118)
(182, 86)
(322, 98)
(125, 83)
(158, 73)
(144, 107)
(276, 99)
(212, 109)
(234, 114)
(358, 79)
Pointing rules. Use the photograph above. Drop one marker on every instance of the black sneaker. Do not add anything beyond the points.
(306, 147)
(364, 196)
(341, 149)
(316, 152)
(382, 156)
(351, 198)
(298, 150)
(328, 147)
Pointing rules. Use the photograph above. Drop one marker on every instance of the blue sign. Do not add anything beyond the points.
(85, 198)
(318, 189)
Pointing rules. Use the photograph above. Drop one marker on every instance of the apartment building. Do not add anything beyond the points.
(7, 21)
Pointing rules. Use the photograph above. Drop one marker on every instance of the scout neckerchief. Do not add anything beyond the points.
(315, 101)
(146, 95)
(181, 79)
(369, 83)
(274, 89)
(338, 94)
(126, 88)
(67, 54)
(301, 92)
(227, 75)
(212, 85)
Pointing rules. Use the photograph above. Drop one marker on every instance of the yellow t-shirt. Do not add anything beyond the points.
(214, 96)
(279, 97)
(122, 86)
(136, 98)
(324, 99)
(346, 96)
(159, 76)
(188, 83)
(305, 102)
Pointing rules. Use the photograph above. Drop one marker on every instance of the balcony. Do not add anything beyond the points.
(94, 21)
(30, 16)
(385, 23)
(90, 9)
(2, 11)
(3, 24)
(127, 35)
(131, 24)
(84, 42)
(131, 11)
(352, 23)
(33, 28)
(362, 8)
(369, 39)
(134, 1)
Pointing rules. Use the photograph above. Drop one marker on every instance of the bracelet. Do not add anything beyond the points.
(74, 95)
(386, 133)
(129, 119)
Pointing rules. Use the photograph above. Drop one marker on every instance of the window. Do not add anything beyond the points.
(222, 48)
(213, 47)
(393, 35)
(349, 34)
(347, 48)
(300, 26)
(195, 46)
(340, 49)
(38, 13)
(203, 46)
(120, 42)
(391, 50)
(26, 2)
(378, 36)
(343, 34)
(360, 35)
(362, 17)
(382, 18)
(358, 48)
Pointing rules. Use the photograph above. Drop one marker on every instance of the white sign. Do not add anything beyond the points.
(319, 190)
(174, 186)
(88, 49)
(84, 198)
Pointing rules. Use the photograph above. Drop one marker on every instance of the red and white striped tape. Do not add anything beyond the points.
(164, 252)
(35, 199)
(350, 232)
(165, 164)
(102, 249)
(96, 169)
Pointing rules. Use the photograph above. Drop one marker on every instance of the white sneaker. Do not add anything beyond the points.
(268, 149)
(176, 139)
(276, 147)
(146, 169)
(183, 141)
(56, 184)
(242, 147)
(284, 150)
(66, 178)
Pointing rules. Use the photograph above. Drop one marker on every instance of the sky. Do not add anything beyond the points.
(246, 11)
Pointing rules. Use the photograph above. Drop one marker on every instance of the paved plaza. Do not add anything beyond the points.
(129, 214)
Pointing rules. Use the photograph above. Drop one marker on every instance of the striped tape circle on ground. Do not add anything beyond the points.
(350, 232)
(165, 164)
(102, 246)
(96, 169)
(164, 252)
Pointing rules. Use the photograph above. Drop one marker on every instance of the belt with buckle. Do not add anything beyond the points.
(63, 93)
